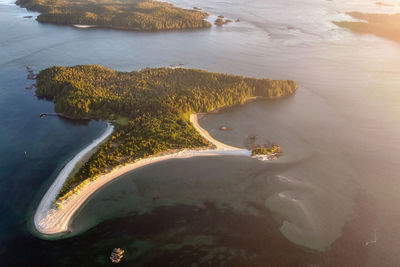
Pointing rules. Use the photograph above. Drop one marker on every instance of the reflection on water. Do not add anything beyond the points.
(340, 135)
(292, 187)
(307, 208)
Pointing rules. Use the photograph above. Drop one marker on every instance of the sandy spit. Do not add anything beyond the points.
(49, 220)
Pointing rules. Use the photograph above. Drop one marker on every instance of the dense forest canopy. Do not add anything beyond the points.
(149, 108)
(137, 15)
(382, 25)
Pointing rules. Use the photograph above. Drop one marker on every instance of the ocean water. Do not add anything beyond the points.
(335, 188)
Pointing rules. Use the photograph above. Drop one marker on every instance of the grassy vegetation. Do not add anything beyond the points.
(382, 25)
(137, 15)
(151, 108)
(122, 121)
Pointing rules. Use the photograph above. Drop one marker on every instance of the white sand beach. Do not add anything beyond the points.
(49, 221)
(83, 26)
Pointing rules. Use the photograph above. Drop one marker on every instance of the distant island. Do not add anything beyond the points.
(134, 15)
(154, 117)
(382, 25)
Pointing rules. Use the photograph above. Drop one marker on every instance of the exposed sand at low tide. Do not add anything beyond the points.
(50, 221)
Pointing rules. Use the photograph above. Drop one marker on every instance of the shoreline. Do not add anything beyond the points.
(116, 27)
(80, 26)
(50, 196)
(51, 221)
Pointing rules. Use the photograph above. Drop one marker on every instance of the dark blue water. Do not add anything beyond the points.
(337, 185)
(32, 150)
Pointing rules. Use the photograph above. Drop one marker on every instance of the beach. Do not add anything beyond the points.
(51, 194)
(49, 220)
(84, 26)
(340, 134)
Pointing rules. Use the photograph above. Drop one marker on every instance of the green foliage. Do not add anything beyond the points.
(265, 151)
(137, 15)
(123, 121)
(151, 107)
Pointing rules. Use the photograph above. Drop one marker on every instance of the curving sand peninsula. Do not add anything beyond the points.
(50, 221)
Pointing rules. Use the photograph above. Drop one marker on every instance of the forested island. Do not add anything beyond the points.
(150, 108)
(260, 150)
(265, 152)
(382, 25)
(135, 15)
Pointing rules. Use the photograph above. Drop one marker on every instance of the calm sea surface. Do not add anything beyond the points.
(336, 188)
